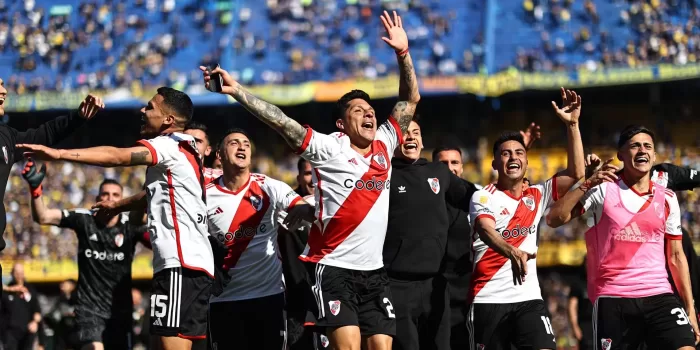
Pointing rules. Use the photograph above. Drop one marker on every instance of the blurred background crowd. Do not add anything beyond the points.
(105, 44)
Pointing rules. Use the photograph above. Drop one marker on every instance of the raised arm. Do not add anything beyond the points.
(104, 156)
(268, 113)
(134, 204)
(409, 96)
(569, 114)
(57, 129)
(40, 213)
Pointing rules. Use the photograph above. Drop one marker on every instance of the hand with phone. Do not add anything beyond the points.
(218, 80)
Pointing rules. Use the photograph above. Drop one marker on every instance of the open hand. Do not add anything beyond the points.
(592, 164)
(228, 85)
(39, 152)
(518, 260)
(606, 173)
(90, 106)
(531, 134)
(570, 110)
(397, 39)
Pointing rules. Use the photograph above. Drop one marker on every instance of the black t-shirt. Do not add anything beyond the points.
(585, 308)
(105, 255)
(19, 308)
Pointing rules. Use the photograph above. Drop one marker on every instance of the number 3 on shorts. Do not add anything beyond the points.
(682, 316)
(389, 308)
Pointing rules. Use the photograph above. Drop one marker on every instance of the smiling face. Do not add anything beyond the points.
(511, 161)
(638, 155)
(412, 143)
(235, 152)
(359, 123)
(3, 96)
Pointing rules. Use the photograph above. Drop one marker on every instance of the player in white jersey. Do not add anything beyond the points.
(183, 264)
(242, 211)
(352, 188)
(507, 308)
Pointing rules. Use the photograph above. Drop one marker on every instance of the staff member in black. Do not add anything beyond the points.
(415, 244)
(48, 133)
(21, 313)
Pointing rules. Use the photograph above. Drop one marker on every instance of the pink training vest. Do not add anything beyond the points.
(626, 256)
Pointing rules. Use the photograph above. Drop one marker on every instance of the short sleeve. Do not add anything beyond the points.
(479, 207)
(549, 192)
(160, 148)
(593, 199)
(318, 148)
(673, 221)
(285, 196)
(390, 133)
(73, 218)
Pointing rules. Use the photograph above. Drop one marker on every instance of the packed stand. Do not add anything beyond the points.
(561, 35)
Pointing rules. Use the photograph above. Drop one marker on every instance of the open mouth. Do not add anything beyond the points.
(410, 146)
(368, 125)
(512, 167)
(641, 159)
(2, 100)
(240, 155)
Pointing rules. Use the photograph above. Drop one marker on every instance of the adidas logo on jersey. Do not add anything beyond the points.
(632, 233)
(158, 323)
(217, 211)
(93, 237)
(505, 212)
(402, 189)
(353, 161)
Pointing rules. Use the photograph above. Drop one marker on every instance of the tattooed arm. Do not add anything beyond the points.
(268, 113)
(408, 85)
(408, 93)
(104, 156)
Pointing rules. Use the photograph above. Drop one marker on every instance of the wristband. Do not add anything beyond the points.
(36, 192)
(402, 53)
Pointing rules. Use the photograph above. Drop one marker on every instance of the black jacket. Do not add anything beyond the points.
(48, 134)
(458, 260)
(675, 177)
(416, 237)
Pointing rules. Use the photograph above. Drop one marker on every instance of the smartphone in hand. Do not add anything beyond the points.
(216, 82)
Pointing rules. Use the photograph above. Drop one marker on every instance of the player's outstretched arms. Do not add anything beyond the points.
(566, 208)
(136, 203)
(486, 228)
(104, 156)
(570, 114)
(268, 113)
(409, 96)
(40, 213)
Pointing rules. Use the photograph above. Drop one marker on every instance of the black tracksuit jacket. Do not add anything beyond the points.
(419, 220)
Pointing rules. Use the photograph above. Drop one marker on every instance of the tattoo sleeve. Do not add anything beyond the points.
(271, 115)
(408, 93)
(139, 157)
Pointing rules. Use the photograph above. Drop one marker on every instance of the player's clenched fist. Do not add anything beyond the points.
(90, 106)
(228, 84)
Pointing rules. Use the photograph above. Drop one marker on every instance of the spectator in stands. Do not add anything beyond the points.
(21, 310)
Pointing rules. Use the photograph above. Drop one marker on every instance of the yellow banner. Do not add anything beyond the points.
(57, 271)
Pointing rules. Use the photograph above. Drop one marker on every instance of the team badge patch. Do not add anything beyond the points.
(529, 201)
(119, 239)
(605, 343)
(324, 341)
(381, 160)
(335, 307)
(256, 202)
(434, 184)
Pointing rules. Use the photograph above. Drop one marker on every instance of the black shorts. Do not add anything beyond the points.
(259, 323)
(625, 323)
(179, 303)
(499, 326)
(351, 298)
(113, 333)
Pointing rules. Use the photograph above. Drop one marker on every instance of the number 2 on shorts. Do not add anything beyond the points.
(547, 325)
(389, 308)
(682, 316)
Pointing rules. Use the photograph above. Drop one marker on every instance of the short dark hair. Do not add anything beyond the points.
(629, 131)
(229, 132)
(301, 164)
(342, 104)
(193, 125)
(442, 148)
(178, 102)
(110, 182)
(505, 137)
